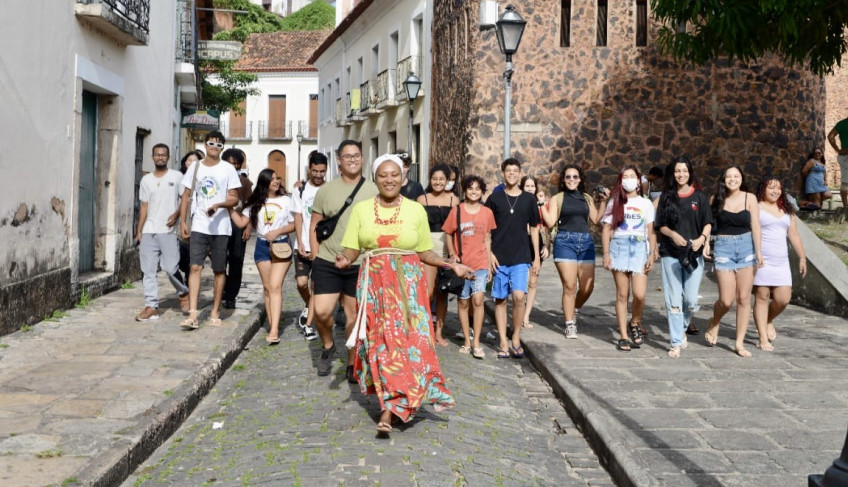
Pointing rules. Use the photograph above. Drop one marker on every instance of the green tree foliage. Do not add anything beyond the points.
(803, 32)
(231, 86)
(318, 15)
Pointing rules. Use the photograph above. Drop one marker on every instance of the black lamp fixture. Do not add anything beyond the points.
(510, 28)
(412, 85)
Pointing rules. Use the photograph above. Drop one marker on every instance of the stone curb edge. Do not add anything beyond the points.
(602, 431)
(113, 466)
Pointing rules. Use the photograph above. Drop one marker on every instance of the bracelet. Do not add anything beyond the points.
(446, 265)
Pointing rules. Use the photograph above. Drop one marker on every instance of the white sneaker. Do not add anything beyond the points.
(490, 336)
(571, 330)
(459, 334)
(309, 333)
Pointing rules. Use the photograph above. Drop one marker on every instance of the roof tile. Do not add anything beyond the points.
(280, 51)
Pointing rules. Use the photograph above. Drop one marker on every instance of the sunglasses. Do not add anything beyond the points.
(572, 177)
(216, 145)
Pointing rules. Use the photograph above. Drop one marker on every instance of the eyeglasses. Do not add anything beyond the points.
(350, 157)
(216, 145)
(572, 177)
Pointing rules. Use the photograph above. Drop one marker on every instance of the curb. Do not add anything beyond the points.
(114, 465)
(602, 431)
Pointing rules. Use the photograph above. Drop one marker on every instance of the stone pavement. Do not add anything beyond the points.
(272, 421)
(88, 393)
(709, 417)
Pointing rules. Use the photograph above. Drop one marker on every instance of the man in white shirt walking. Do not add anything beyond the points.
(214, 186)
(158, 247)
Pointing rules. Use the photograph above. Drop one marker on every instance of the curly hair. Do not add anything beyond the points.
(782, 200)
(581, 188)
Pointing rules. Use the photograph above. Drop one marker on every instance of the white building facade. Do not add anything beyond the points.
(87, 94)
(361, 70)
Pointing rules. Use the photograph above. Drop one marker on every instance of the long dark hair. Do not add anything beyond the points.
(195, 153)
(529, 178)
(581, 187)
(782, 200)
(444, 169)
(720, 195)
(619, 196)
(669, 207)
(260, 194)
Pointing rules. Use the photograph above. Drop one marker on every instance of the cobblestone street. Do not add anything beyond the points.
(272, 421)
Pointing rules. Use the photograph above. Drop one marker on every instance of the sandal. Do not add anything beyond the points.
(743, 352)
(710, 336)
(623, 345)
(384, 428)
(527, 324)
(465, 349)
(674, 352)
(478, 353)
(516, 352)
(692, 330)
(190, 323)
(503, 353)
(635, 334)
(272, 340)
(215, 322)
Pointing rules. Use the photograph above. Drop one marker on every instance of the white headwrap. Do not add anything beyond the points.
(386, 157)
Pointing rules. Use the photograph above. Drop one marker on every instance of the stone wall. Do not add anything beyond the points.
(604, 107)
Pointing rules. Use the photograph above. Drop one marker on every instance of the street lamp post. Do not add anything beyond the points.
(836, 475)
(509, 30)
(299, 141)
(412, 85)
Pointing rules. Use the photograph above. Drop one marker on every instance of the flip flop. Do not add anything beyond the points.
(503, 353)
(516, 352)
(189, 323)
(478, 353)
(272, 341)
(384, 428)
(215, 322)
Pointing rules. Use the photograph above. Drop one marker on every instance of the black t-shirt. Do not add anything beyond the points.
(412, 190)
(512, 215)
(695, 214)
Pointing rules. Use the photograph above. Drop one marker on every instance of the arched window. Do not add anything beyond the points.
(277, 162)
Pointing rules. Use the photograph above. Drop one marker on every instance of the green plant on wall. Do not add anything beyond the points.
(231, 87)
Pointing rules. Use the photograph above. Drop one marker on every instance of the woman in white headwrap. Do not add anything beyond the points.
(393, 335)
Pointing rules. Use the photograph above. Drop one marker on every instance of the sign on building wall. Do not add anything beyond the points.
(200, 119)
(219, 50)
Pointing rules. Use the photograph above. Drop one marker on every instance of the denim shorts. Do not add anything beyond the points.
(509, 278)
(478, 285)
(574, 247)
(262, 250)
(629, 254)
(733, 252)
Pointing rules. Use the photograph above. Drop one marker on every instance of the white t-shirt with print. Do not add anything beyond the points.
(303, 204)
(162, 198)
(638, 213)
(274, 214)
(211, 188)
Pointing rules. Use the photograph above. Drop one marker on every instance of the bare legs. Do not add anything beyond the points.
(578, 282)
(532, 281)
(766, 311)
(734, 285)
(272, 275)
(500, 319)
(625, 282)
(441, 304)
(476, 302)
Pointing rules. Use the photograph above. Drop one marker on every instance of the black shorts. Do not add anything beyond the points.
(201, 244)
(327, 279)
(302, 266)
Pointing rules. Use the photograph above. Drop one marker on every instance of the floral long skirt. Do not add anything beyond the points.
(397, 360)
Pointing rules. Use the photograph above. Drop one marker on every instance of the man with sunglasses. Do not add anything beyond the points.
(215, 188)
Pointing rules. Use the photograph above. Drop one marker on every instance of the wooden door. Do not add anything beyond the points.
(277, 162)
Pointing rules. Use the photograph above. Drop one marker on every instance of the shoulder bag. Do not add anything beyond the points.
(325, 228)
(190, 218)
(446, 279)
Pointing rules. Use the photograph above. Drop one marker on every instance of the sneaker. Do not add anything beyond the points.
(325, 361)
(490, 335)
(147, 314)
(459, 334)
(184, 304)
(349, 375)
(571, 330)
(309, 333)
(301, 320)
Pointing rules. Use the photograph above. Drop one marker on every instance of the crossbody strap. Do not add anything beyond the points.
(350, 198)
(459, 229)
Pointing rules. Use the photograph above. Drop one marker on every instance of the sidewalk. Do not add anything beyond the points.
(709, 417)
(85, 397)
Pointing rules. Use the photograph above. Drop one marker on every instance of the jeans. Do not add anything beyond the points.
(680, 288)
(159, 250)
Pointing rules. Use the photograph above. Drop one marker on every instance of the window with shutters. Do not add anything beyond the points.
(313, 117)
(238, 122)
(277, 117)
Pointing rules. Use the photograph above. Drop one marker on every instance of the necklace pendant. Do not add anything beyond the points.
(511, 211)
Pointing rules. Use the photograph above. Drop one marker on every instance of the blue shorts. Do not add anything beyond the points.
(575, 247)
(262, 250)
(629, 254)
(478, 285)
(734, 252)
(509, 278)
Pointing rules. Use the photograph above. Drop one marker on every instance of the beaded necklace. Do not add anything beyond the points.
(390, 221)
